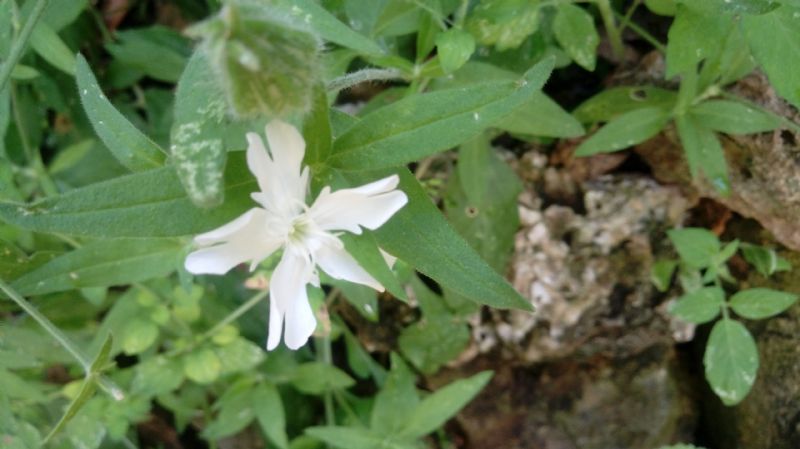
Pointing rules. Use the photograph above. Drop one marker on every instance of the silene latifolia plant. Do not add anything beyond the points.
(176, 198)
(307, 234)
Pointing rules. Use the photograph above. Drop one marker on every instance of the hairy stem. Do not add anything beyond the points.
(362, 76)
(20, 42)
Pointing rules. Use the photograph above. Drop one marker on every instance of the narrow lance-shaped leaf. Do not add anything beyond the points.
(422, 125)
(147, 204)
(703, 152)
(625, 130)
(50, 47)
(103, 263)
(419, 235)
(329, 27)
(133, 149)
(732, 117)
(440, 406)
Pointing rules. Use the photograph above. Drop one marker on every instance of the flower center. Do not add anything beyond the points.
(299, 230)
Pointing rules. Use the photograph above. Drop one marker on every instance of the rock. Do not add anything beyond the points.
(590, 403)
(594, 367)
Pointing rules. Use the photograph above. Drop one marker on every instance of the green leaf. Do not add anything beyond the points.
(732, 117)
(540, 116)
(481, 202)
(731, 361)
(103, 355)
(662, 7)
(756, 7)
(760, 303)
(454, 48)
(661, 274)
(437, 325)
(317, 129)
(87, 388)
(196, 143)
(138, 335)
(775, 41)
(681, 446)
(235, 413)
(422, 125)
(700, 306)
(202, 366)
(132, 149)
(703, 152)
(103, 263)
(696, 246)
(365, 250)
(268, 407)
(575, 32)
(396, 401)
(147, 204)
(49, 46)
(766, 261)
(698, 32)
(239, 355)
(158, 51)
(419, 235)
(504, 24)
(156, 376)
(348, 437)
(329, 27)
(443, 404)
(317, 378)
(616, 101)
(625, 130)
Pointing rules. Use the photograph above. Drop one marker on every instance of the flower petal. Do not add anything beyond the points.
(282, 182)
(258, 161)
(247, 222)
(243, 239)
(286, 145)
(370, 206)
(339, 264)
(300, 322)
(289, 300)
(275, 325)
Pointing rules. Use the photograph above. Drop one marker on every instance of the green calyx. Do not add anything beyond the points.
(266, 62)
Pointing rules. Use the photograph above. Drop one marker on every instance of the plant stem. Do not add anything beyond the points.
(47, 325)
(32, 155)
(361, 76)
(614, 34)
(644, 34)
(20, 42)
(233, 316)
(105, 384)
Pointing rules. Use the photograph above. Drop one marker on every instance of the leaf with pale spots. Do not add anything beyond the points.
(731, 361)
(575, 32)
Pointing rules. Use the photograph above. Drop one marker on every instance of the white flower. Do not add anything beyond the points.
(307, 234)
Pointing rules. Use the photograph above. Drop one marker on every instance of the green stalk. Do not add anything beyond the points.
(614, 35)
(20, 42)
(51, 328)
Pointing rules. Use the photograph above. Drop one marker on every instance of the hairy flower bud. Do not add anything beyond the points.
(266, 61)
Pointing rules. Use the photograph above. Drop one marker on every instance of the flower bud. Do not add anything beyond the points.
(266, 61)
